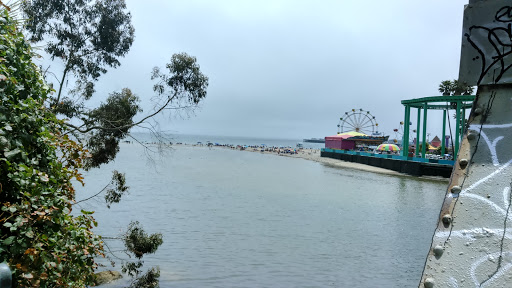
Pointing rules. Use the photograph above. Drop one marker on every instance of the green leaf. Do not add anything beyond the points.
(10, 154)
(7, 224)
(8, 241)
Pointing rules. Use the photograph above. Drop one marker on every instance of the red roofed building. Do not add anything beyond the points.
(349, 140)
(436, 142)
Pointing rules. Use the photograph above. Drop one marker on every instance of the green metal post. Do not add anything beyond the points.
(457, 131)
(463, 123)
(444, 133)
(417, 151)
(424, 147)
(405, 138)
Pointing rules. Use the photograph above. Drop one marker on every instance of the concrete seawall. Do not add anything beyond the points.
(394, 162)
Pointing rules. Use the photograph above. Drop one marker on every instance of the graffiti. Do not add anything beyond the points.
(486, 56)
(498, 47)
(473, 232)
(477, 241)
(491, 145)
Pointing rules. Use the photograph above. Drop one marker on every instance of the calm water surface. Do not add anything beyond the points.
(242, 219)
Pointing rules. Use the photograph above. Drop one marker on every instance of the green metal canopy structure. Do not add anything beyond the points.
(445, 103)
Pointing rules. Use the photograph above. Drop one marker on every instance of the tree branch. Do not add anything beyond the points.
(62, 82)
(89, 198)
(77, 128)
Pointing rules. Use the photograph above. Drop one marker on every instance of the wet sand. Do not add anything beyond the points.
(314, 155)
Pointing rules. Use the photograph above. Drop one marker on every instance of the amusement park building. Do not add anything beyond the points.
(351, 140)
(436, 142)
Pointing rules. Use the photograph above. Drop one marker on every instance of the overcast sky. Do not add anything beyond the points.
(290, 69)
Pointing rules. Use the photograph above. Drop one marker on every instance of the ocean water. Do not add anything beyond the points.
(245, 219)
(195, 139)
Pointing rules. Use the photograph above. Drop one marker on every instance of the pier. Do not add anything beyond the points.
(408, 165)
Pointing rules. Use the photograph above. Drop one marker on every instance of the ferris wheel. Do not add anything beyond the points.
(358, 120)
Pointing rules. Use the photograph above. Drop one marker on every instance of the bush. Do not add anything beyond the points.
(40, 240)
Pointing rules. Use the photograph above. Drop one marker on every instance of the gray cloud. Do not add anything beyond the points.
(289, 69)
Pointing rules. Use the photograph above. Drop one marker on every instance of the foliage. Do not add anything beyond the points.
(184, 78)
(139, 243)
(147, 280)
(86, 35)
(113, 195)
(42, 242)
(455, 87)
(446, 87)
(115, 189)
(89, 37)
(115, 119)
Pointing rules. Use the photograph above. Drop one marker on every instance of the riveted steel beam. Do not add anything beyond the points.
(472, 245)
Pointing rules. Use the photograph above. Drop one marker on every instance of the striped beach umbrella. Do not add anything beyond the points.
(388, 147)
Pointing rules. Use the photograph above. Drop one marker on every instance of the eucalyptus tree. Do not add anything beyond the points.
(89, 37)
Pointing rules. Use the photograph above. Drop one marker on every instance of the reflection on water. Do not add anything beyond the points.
(240, 219)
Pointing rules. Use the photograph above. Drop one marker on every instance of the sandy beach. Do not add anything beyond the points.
(314, 155)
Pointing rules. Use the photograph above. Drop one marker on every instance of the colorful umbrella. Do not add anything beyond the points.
(388, 147)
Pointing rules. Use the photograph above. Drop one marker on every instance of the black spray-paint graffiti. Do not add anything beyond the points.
(498, 58)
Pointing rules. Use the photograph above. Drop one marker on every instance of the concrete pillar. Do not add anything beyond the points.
(472, 245)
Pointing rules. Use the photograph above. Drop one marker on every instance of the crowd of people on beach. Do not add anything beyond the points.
(258, 148)
(279, 150)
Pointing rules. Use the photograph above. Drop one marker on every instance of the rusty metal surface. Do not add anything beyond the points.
(472, 245)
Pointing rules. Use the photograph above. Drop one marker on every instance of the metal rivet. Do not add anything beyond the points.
(455, 189)
(447, 219)
(472, 136)
(429, 283)
(478, 111)
(463, 163)
(438, 251)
